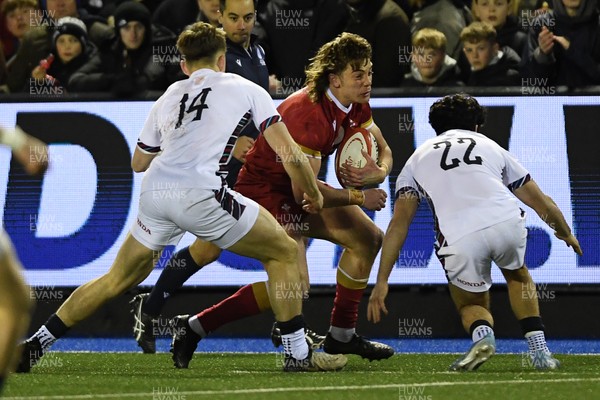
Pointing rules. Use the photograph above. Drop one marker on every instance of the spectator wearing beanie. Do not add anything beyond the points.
(37, 42)
(127, 67)
(71, 50)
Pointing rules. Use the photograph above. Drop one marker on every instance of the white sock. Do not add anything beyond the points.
(480, 332)
(344, 335)
(294, 344)
(45, 337)
(196, 326)
(536, 340)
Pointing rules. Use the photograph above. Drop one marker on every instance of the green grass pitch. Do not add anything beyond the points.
(246, 376)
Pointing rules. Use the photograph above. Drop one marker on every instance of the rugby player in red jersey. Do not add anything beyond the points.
(334, 100)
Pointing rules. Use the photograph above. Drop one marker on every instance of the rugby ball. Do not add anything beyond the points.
(350, 151)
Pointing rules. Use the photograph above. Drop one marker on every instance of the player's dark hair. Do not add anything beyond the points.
(201, 41)
(333, 58)
(223, 3)
(457, 111)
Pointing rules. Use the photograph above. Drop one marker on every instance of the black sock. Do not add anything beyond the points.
(56, 327)
(1, 383)
(178, 270)
(292, 325)
(478, 323)
(530, 324)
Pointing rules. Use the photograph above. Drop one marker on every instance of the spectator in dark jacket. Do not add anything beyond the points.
(294, 30)
(490, 65)
(385, 26)
(564, 45)
(37, 43)
(131, 64)
(16, 17)
(430, 65)
(71, 51)
(177, 14)
(498, 14)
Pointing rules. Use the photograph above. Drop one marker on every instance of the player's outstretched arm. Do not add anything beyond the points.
(29, 151)
(546, 208)
(296, 165)
(405, 209)
(372, 173)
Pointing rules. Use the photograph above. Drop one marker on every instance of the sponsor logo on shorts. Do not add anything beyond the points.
(144, 227)
(471, 284)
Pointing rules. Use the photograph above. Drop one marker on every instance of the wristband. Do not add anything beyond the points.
(16, 138)
(356, 197)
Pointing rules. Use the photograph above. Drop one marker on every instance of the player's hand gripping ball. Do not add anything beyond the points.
(350, 151)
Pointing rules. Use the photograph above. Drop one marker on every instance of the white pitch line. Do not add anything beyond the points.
(300, 389)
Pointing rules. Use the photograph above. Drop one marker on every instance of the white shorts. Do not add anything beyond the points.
(222, 217)
(468, 262)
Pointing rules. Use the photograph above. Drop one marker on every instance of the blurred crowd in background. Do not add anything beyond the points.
(128, 47)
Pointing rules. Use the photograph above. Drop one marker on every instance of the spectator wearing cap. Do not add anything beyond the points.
(177, 14)
(37, 43)
(16, 15)
(127, 67)
(70, 52)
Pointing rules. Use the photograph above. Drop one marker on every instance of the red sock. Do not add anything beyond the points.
(241, 304)
(345, 307)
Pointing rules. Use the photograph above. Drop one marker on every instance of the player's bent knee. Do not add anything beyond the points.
(371, 242)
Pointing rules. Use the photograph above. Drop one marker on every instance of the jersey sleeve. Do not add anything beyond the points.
(264, 113)
(307, 126)
(310, 137)
(405, 183)
(366, 117)
(514, 175)
(149, 139)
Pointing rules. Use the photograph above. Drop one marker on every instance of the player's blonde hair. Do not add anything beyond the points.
(477, 32)
(430, 38)
(333, 58)
(201, 42)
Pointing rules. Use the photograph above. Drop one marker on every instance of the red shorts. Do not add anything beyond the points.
(278, 201)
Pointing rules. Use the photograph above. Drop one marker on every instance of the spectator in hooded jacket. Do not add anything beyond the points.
(490, 64)
(563, 45)
(498, 13)
(129, 66)
(70, 52)
(430, 65)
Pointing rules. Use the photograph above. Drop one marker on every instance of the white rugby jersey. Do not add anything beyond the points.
(195, 125)
(467, 179)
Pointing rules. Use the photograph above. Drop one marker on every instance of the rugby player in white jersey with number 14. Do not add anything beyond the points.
(194, 126)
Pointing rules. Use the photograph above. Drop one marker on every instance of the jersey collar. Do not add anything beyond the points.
(339, 105)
